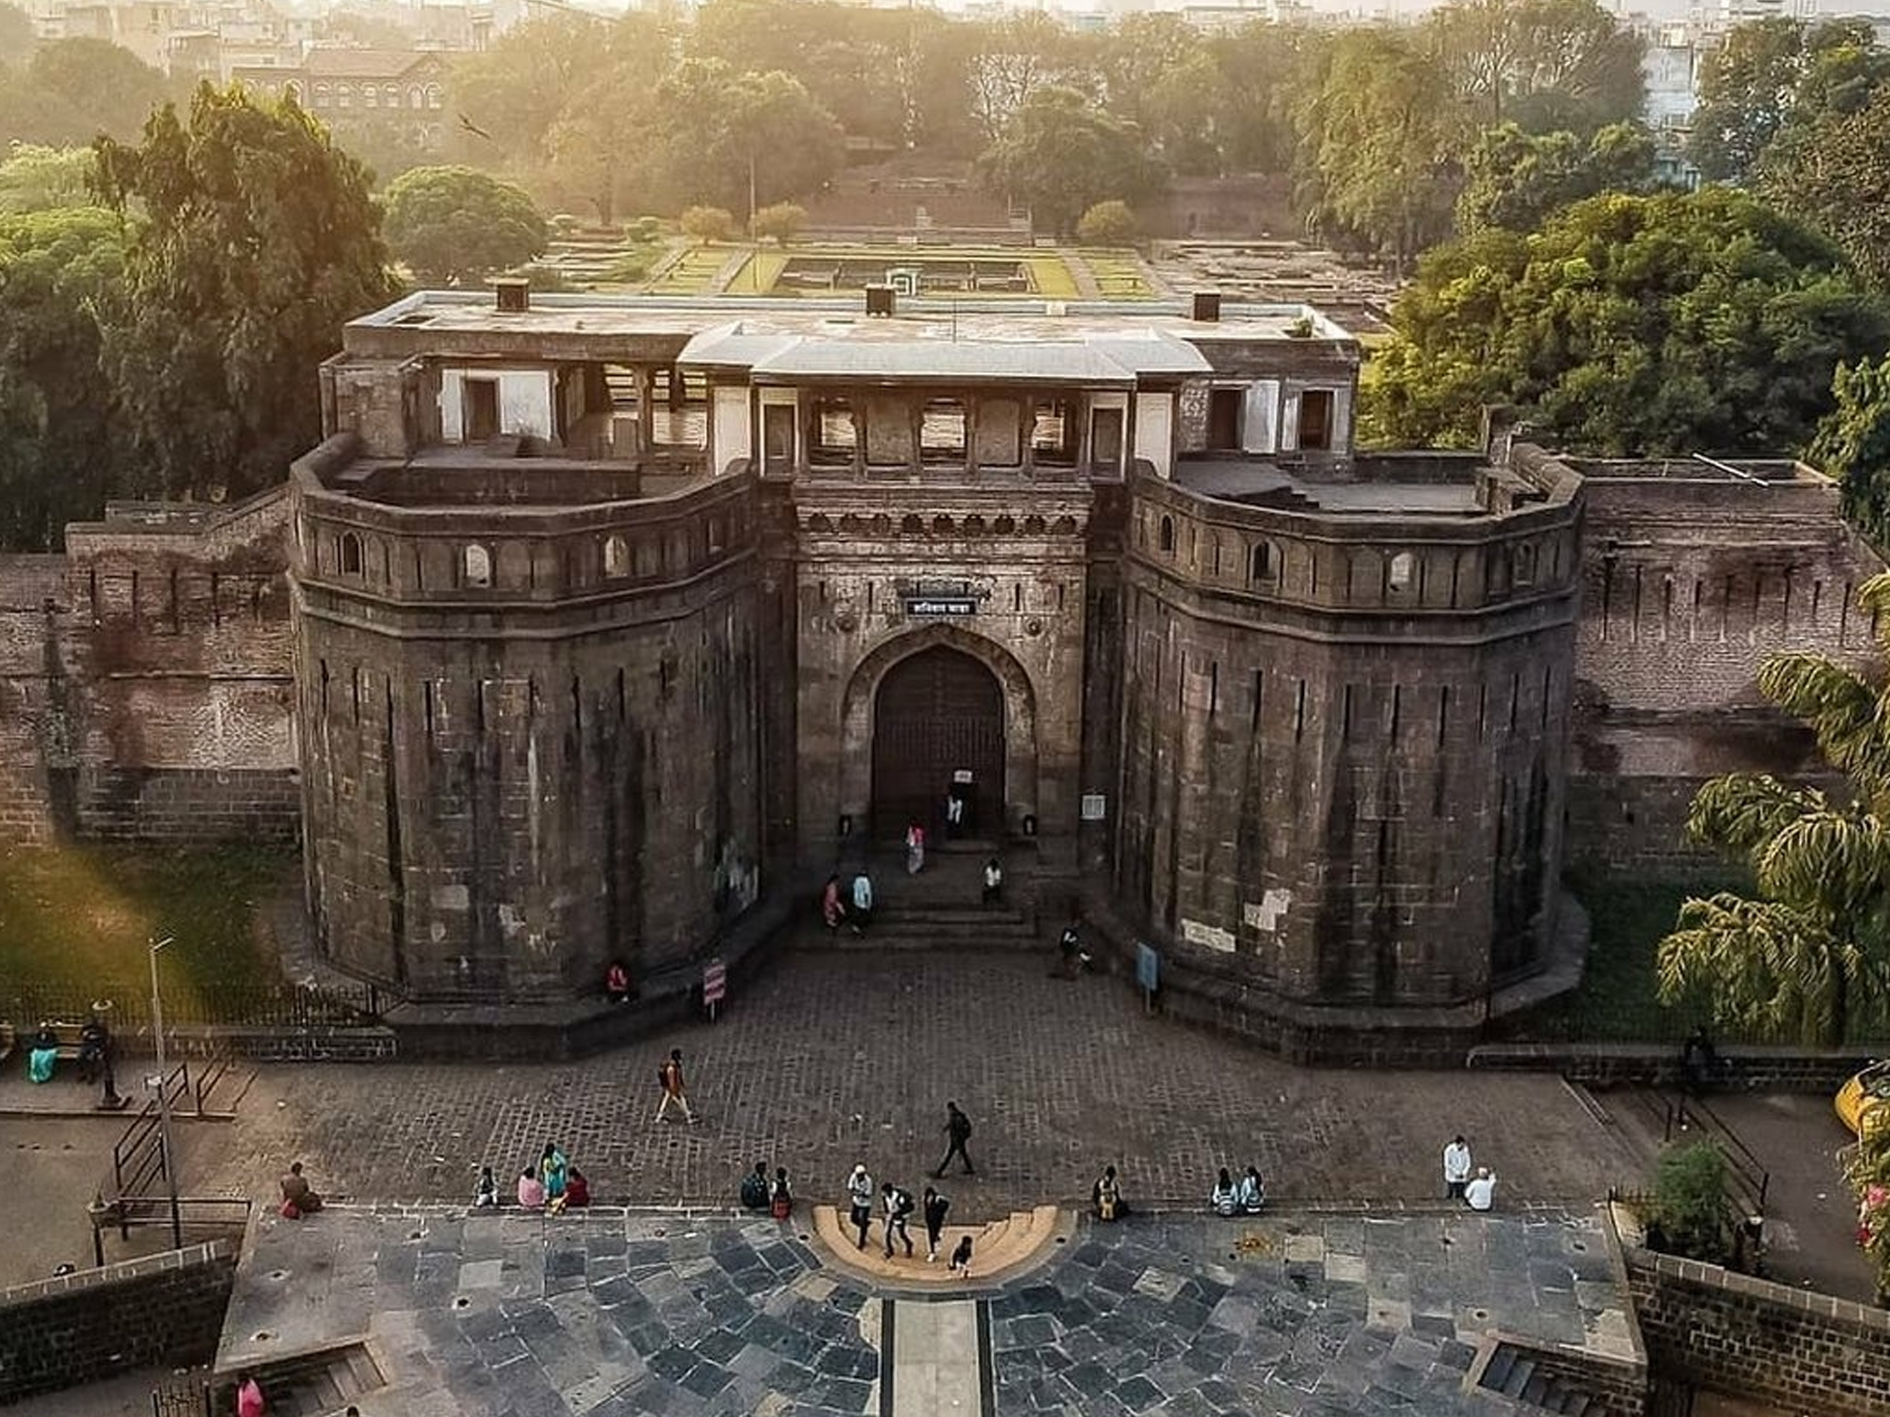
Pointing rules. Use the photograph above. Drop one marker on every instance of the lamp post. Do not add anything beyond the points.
(164, 1098)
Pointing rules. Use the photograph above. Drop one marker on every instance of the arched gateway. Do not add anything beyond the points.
(924, 706)
(938, 727)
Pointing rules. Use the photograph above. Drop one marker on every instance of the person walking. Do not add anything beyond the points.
(993, 883)
(860, 1200)
(832, 911)
(1457, 1166)
(957, 1132)
(671, 1077)
(915, 849)
(861, 911)
(898, 1203)
(933, 1212)
(1070, 947)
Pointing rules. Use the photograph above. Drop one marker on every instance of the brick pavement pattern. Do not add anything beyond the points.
(837, 1057)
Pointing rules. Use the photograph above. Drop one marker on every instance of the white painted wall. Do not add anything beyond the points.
(731, 434)
(525, 397)
(1155, 431)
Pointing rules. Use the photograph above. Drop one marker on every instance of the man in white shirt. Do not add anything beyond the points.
(1480, 1194)
(1456, 1168)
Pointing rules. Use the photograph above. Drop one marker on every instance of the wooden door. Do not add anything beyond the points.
(938, 713)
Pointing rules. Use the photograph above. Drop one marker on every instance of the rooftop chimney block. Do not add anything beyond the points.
(879, 300)
(1207, 305)
(515, 294)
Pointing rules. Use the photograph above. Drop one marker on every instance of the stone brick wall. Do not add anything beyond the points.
(163, 1310)
(1604, 1065)
(528, 752)
(146, 680)
(1807, 1353)
(1290, 683)
(1691, 577)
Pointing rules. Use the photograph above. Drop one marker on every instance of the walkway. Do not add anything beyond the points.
(832, 1058)
(608, 1314)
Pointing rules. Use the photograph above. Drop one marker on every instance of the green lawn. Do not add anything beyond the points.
(82, 917)
(1618, 1000)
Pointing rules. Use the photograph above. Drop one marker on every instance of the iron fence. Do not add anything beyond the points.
(289, 1006)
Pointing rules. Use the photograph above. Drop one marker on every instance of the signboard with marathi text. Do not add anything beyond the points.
(950, 607)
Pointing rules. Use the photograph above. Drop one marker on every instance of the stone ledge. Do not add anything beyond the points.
(1001, 1249)
(1766, 1291)
(209, 1252)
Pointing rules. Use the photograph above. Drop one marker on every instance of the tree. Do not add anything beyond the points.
(1836, 170)
(743, 140)
(1108, 223)
(1808, 954)
(1545, 64)
(37, 179)
(1061, 156)
(510, 96)
(1629, 325)
(110, 85)
(61, 448)
(455, 226)
(1853, 445)
(1690, 1202)
(708, 224)
(1516, 180)
(781, 222)
(257, 242)
(1383, 139)
(1772, 74)
(1019, 56)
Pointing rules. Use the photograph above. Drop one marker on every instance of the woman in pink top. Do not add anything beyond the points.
(249, 1398)
(531, 1190)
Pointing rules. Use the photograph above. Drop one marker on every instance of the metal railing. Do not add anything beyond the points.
(242, 1005)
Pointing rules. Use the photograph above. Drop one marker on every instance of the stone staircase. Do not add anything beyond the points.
(319, 1384)
(1513, 1373)
(940, 908)
(999, 1249)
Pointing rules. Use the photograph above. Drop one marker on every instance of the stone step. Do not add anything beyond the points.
(997, 1247)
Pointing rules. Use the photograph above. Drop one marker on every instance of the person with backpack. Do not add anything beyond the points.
(933, 1212)
(670, 1076)
(1225, 1197)
(860, 1200)
(958, 1131)
(860, 912)
(899, 1208)
(1253, 1192)
(1070, 946)
(754, 1191)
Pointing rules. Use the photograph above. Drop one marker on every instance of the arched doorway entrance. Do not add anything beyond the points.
(938, 716)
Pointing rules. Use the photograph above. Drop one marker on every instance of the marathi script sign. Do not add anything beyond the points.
(948, 606)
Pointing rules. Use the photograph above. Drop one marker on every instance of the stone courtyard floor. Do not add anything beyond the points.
(608, 1313)
(833, 1058)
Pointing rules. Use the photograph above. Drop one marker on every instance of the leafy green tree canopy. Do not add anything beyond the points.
(456, 225)
(1515, 179)
(743, 140)
(61, 449)
(1853, 445)
(257, 241)
(1836, 170)
(1109, 223)
(37, 179)
(1544, 64)
(1061, 155)
(1806, 957)
(1629, 325)
(1772, 74)
(106, 82)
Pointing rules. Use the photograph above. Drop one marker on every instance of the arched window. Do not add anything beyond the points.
(344, 95)
(1398, 574)
(350, 554)
(478, 565)
(321, 95)
(433, 95)
(370, 96)
(1523, 568)
(616, 556)
(415, 98)
(390, 96)
(1260, 561)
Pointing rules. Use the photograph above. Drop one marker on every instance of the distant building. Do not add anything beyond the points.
(396, 95)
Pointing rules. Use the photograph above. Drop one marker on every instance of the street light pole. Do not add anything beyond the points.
(164, 1098)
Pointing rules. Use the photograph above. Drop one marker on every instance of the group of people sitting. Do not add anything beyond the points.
(1247, 1196)
(42, 1051)
(553, 1185)
(761, 1192)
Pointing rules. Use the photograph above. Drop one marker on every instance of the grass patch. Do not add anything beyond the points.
(1619, 999)
(1052, 278)
(693, 272)
(82, 917)
(1118, 275)
(758, 273)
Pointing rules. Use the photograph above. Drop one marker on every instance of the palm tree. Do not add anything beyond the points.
(1809, 955)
